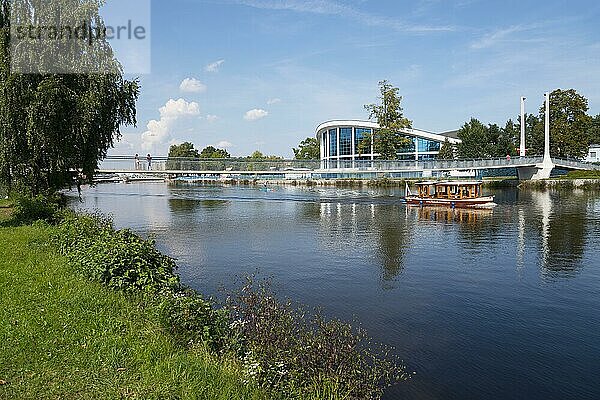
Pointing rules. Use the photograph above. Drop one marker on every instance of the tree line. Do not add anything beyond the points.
(572, 131)
(187, 150)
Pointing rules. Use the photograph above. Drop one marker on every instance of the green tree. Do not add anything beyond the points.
(511, 138)
(474, 136)
(308, 149)
(594, 130)
(501, 141)
(212, 152)
(183, 150)
(534, 139)
(364, 145)
(257, 155)
(569, 124)
(57, 127)
(447, 151)
(388, 140)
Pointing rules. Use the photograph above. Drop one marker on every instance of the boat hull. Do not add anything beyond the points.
(480, 202)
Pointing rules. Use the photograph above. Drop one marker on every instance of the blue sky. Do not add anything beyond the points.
(254, 74)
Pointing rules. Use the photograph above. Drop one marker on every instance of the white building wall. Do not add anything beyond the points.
(593, 154)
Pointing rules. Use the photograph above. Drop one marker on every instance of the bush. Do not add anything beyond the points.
(119, 259)
(28, 209)
(298, 354)
(292, 353)
(583, 175)
(192, 320)
(124, 261)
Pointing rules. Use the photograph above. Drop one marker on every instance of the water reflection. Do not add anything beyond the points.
(394, 237)
(564, 233)
(380, 230)
(184, 205)
(471, 217)
(521, 242)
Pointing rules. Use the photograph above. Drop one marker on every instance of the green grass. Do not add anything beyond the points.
(64, 337)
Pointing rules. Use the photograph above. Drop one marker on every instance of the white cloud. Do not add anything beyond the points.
(511, 35)
(255, 114)
(192, 85)
(491, 39)
(179, 108)
(214, 67)
(211, 118)
(224, 144)
(273, 101)
(128, 144)
(159, 132)
(330, 7)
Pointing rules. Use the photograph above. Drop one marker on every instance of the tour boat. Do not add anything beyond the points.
(454, 194)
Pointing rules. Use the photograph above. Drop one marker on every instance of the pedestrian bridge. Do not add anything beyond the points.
(527, 167)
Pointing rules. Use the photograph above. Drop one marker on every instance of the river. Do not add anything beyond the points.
(501, 304)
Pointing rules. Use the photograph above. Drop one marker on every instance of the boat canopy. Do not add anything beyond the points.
(450, 183)
(450, 190)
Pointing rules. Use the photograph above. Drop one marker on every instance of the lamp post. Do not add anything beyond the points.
(547, 129)
(523, 148)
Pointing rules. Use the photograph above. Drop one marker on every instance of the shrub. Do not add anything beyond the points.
(120, 259)
(501, 184)
(583, 174)
(28, 209)
(192, 320)
(291, 352)
(300, 354)
(124, 261)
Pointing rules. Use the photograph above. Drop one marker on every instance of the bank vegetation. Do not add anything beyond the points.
(89, 311)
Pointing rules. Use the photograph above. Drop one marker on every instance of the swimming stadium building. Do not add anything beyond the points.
(340, 143)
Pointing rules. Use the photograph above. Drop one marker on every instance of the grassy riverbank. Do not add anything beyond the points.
(88, 311)
(62, 336)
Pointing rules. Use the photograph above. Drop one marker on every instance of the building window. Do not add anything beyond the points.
(345, 141)
(360, 134)
(333, 142)
(593, 155)
(409, 146)
(426, 145)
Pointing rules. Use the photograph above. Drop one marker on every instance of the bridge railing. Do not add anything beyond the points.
(123, 163)
(410, 165)
(575, 164)
(129, 164)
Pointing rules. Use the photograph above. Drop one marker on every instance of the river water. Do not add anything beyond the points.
(501, 304)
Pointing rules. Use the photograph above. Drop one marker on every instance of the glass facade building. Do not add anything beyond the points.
(344, 142)
(333, 150)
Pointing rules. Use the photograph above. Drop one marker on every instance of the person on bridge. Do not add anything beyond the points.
(149, 159)
(137, 162)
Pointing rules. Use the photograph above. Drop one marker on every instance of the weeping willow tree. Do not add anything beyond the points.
(62, 104)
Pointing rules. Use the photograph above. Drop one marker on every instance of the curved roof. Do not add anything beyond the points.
(370, 124)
